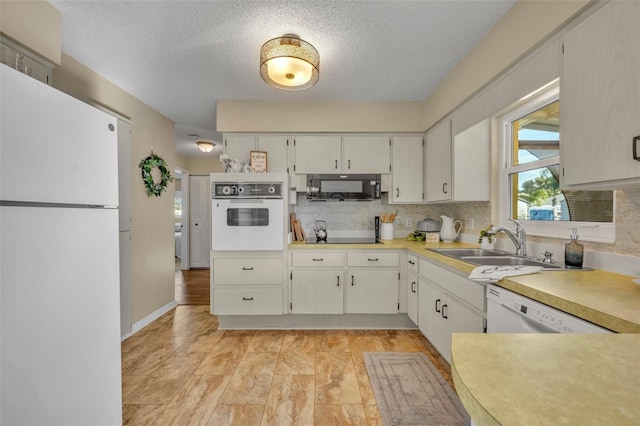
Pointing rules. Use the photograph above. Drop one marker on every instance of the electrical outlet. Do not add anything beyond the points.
(409, 222)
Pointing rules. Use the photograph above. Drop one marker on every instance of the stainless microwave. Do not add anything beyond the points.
(343, 187)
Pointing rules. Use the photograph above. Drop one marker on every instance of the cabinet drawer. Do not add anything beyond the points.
(373, 259)
(412, 263)
(247, 271)
(247, 301)
(465, 290)
(317, 259)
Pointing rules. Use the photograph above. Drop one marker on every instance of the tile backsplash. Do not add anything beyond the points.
(356, 216)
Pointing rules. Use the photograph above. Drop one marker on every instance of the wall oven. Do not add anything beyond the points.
(247, 216)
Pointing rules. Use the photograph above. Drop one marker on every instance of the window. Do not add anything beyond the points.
(531, 193)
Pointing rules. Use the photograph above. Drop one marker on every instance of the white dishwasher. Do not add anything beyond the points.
(508, 312)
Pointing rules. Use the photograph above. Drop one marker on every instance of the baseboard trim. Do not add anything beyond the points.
(149, 319)
(316, 322)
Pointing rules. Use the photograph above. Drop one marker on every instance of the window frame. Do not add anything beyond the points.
(602, 232)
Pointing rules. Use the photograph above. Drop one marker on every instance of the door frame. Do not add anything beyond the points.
(184, 185)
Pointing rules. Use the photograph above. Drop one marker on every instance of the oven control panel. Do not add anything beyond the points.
(246, 190)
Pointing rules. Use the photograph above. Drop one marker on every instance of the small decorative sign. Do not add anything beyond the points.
(258, 161)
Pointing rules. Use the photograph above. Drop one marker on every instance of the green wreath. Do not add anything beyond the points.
(147, 165)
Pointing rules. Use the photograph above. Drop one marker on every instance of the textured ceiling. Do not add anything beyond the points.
(180, 57)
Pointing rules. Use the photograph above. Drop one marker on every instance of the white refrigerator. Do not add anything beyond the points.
(59, 273)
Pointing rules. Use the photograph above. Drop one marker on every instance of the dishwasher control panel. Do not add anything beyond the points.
(509, 312)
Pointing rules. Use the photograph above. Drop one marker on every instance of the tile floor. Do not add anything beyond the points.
(182, 370)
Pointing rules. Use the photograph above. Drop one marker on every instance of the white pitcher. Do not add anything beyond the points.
(448, 232)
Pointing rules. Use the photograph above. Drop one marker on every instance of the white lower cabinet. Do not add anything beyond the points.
(448, 303)
(372, 291)
(337, 282)
(247, 283)
(317, 291)
(412, 287)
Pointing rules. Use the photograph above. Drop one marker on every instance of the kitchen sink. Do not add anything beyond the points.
(466, 252)
(477, 256)
(509, 261)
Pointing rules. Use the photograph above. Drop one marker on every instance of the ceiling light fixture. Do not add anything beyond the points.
(205, 146)
(289, 63)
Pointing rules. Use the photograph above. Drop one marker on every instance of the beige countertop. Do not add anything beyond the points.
(604, 298)
(548, 379)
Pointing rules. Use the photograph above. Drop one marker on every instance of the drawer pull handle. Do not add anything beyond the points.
(444, 187)
(336, 166)
(635, 141)
(411, 262)
(444, 312)
(413, 287)
(247, 269)
(351, 279)
(247, 298)
(318, 259)
(397, 192)
(372, 259)
(437, 302)
(338, 277)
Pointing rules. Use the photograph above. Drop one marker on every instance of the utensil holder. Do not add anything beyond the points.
(386, 231)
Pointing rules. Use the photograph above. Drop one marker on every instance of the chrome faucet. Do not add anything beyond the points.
(519, 240)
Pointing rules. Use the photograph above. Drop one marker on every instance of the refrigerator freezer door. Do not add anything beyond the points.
(53, 147)
(60, 316)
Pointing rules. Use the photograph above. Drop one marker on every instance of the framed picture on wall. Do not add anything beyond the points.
(258, 161)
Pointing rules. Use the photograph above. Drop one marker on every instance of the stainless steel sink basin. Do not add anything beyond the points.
(509, 261)
(462, 252)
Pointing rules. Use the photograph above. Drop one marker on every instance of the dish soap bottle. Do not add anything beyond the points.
(573, 251)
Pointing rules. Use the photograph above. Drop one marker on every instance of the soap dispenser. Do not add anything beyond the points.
(573, 251)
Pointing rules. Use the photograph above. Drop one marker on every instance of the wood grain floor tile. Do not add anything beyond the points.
(159, 388)
(296, 362)
(340, 415)
(225, 355)
(195, 402)
(236, 415)
(290, 401)
(130, 383)
(332, 341)
(141, 415)
(266, 341)
(252, 379)
(336, 381)
(202, 341)
(397, 341)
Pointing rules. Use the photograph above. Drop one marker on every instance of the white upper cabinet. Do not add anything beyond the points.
(317, 154)
(276, 147)
(407, 170)
(335, 154)
(438, 163)
(600, 100)
(472, 163)
(366, 154)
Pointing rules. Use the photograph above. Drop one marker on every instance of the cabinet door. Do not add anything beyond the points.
(238, 147)
(407, 170)
(277, 148)
(457, 319)
(600, 98)
(200, 221)
(366, 154)
(372, 291)
(429, 311)
(438, 163)
(317, 291)
(317, 154)
(412, 299)
(472, 163)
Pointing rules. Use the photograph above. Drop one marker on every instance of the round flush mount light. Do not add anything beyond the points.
(205, 146)
(289, 63)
